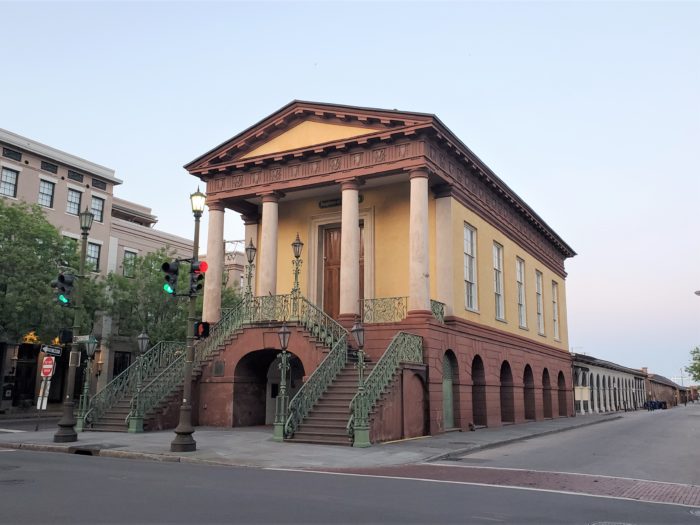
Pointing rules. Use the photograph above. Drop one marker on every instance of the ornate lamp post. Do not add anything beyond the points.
(183, 441)
(90, 347)
(297, 246)
(66, 425)
(136, 420)
(361, 438)
(282, 398)
(250, 252)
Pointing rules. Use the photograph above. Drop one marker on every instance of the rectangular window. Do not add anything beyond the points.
(8, 182)
(98, 208)
(46, 190)
(47, 166)
(520, 282)
(73, 206)
(540, 303)
(97, 183)
(92, 258)
(72, 175)
(498, 280)
(470, 297)
(11, 154)
(129, 263)
(555, 309)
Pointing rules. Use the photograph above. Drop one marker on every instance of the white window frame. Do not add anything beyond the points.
(68, 202)
(540, 302)
(44, 180)
(520, 285)
(133, 254)
(498, 291)
(555, 309)
(15, 184)
(471, 298)
(101, 216)
(96, 268)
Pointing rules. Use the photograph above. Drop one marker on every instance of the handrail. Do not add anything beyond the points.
(404, 348)
(157, 388)
(317, 383)
(125, 384)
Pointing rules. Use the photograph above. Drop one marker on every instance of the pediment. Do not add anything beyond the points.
(307, 134)
(301, 126)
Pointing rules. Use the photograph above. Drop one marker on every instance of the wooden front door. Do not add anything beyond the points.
(331, 270)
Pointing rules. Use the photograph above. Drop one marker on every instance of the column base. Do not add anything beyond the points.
(66, 426)
(135, 425)
(361, 439)
(419, 314)
(278, 432)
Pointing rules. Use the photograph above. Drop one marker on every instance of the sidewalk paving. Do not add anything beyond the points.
(254, 447)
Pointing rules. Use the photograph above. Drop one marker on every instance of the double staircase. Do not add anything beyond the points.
(324, 410)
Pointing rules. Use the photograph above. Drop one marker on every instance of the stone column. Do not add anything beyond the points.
(418, 266)
(443, 241)
(211, 308)
(267, 256)
(250, 223)
(350, 251)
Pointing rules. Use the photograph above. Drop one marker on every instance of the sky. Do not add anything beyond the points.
(589, 111)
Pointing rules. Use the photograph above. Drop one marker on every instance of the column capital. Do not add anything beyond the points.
(351, 184)
(271, 196)
(418, 173)
(442, 190)
(216, 206)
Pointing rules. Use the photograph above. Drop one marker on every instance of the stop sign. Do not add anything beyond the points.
(47, 366)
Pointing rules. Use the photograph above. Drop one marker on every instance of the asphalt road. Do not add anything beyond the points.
(37, 487)
(660, 445)
(28, 424)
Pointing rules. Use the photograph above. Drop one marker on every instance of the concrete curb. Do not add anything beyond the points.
(476, 448)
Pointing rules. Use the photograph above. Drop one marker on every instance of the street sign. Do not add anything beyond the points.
(47, 366)
(81, 338)
(52, 350)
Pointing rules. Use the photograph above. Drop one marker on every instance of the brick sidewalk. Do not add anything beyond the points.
(633, 489)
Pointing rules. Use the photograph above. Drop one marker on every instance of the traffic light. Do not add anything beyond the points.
(201, 330)
(197, 272)
(171, 270)
(63, 286)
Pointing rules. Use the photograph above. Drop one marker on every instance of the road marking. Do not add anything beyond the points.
(475, 467)
(8, 450)
(476, 484)
(11, 430)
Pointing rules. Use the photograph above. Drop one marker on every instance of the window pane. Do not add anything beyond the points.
(46, 190)
(73, 205)
(98, 206)
(92, 258)
(8, 182)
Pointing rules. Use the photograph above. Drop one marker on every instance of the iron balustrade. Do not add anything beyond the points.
(319, 381)
(438, 310)
(125, 384)
(384, 309)
(404, 348)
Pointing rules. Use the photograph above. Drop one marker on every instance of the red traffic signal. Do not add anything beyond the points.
(200, 267)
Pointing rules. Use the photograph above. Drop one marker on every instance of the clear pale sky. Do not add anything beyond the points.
(590, 111)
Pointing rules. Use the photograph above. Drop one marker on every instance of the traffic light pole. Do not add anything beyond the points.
(183, 441)
(66, 425)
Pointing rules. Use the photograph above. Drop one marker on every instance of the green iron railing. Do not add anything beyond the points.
(404, 348)
(319, 381)
(438, 310)
(153, 391)
(127, 383)
(384, 309)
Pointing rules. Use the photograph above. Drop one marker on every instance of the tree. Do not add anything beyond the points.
(694, 368)
(33, 254)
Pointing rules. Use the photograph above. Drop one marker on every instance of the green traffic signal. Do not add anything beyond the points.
(63, 299)
(168, 288)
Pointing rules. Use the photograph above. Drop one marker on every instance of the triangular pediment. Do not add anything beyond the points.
(300, 126)
(307, 134)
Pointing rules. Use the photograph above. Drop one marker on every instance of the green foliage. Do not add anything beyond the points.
(33, 252)
(694, 368)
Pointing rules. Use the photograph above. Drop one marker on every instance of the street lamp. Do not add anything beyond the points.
(66, 425)
(281, 404)
(361, 437)
(297, 246)
(142, 341)
(136, 419)
(250, 252)
(90, 347)
(183, 441)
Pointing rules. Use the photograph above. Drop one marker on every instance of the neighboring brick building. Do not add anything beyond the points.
(603, 386)
(660, 388)
(63, 185)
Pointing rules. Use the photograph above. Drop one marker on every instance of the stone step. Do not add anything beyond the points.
(309, 437)
(108, 428)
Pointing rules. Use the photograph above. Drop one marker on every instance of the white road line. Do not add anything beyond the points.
(8, 450)
(11, 431)
(559, 472)
(450, 482)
